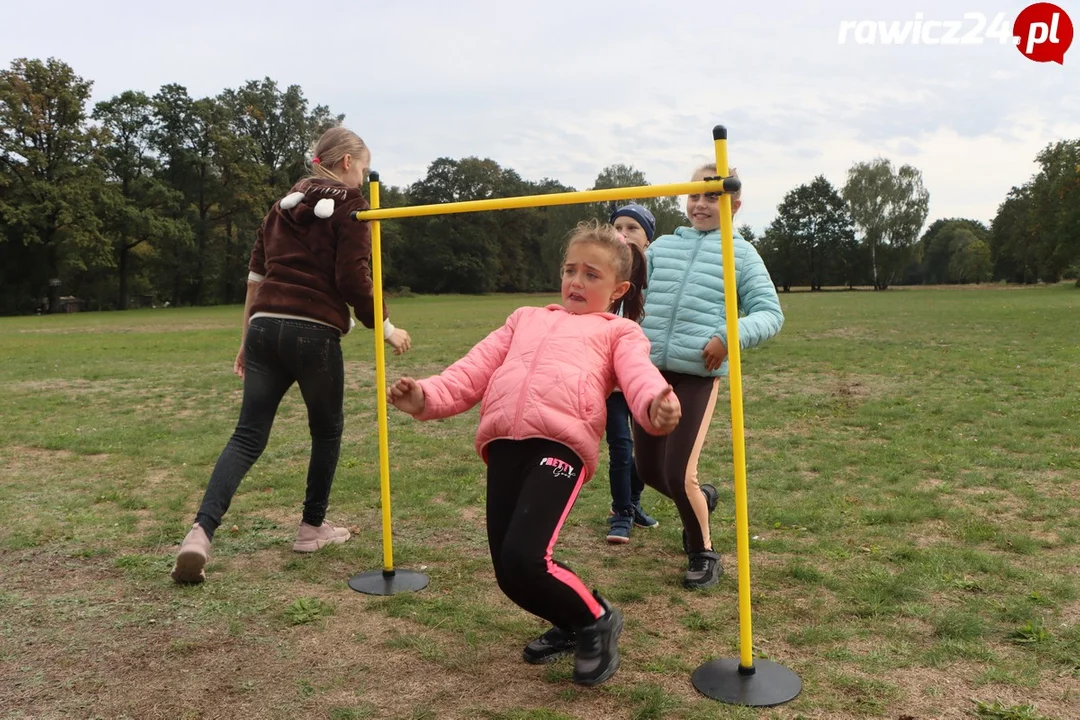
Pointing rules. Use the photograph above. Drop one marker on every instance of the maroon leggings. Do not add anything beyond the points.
(669, 463)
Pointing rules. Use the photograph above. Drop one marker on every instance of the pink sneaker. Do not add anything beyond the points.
(310, 538)
(194, 553)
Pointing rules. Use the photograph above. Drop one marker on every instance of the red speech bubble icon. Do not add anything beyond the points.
(1043, 32)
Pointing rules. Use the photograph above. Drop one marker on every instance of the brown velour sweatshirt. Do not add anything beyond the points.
(312, 266)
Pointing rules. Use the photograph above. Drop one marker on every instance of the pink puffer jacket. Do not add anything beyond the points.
(547, 373)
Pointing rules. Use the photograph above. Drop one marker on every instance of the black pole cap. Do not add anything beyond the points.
(719, 133)
(732, 184)
(373, 176)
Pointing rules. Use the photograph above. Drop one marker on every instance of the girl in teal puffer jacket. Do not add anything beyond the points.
(686, 326)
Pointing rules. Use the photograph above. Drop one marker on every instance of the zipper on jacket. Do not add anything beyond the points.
(532, 370)
(678, 299)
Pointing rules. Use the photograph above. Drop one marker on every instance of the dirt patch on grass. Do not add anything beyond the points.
(21, 456)
(929, 483)
(839, 386)
(160, 477)
(123, 329)
(1069, 614)
(720, 434)
(929, 533)
(356, 658)
(472, 515)
(65, 385)
(145, 397)
(844, 333)
(360, 375)
(21, 461)
(40, 575)
(1050, 483)
(951, 694)
(360, 658)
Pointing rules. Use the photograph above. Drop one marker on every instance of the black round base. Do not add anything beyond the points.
(770, 684)
(381, 582)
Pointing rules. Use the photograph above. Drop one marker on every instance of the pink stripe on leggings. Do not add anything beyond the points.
(562, 574)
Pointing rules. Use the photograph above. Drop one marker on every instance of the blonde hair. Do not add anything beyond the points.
(628, 262)
(710, 170)
(331, 149)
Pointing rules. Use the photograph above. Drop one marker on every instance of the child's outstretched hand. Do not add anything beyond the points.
(665, 410)
(406, 395)
(400, 341)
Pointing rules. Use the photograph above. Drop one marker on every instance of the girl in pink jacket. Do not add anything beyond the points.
(542, 380)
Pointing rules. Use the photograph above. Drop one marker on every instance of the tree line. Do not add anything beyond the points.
(868, 230)
(148, 198)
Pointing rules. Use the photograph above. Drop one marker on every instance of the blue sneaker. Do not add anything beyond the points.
(642, 519)
(621, 522)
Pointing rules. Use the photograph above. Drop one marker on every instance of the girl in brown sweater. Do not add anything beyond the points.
(309, 262)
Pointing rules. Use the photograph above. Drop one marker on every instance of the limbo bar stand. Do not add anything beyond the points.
(388, 581)
(740, 681)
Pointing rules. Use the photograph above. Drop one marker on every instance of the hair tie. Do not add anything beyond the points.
(315, 160)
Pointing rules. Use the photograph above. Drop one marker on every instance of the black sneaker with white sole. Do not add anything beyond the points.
(703, 570)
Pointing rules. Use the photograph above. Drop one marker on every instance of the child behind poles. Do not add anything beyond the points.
(637, 225)
(309, 259)
(542, 380)
(686, 326)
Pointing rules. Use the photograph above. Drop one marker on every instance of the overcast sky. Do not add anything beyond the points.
(562, 89)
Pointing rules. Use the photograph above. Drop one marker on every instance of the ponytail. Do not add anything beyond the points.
(632, 303)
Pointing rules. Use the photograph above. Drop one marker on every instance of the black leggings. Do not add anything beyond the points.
(277, 353)
(531, 486)
(669, 463)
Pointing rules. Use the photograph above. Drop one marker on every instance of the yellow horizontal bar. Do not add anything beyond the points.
(525, 201)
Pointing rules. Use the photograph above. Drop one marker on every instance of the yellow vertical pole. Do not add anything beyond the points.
(380, 378)
(731, 311)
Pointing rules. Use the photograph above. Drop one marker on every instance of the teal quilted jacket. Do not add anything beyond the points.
(684, 304)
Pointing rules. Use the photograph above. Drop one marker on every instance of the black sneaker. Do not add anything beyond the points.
(712, 498)
(703, 570)
(550, 646)
(597, 655)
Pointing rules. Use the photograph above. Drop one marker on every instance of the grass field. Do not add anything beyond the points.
(914, 480)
